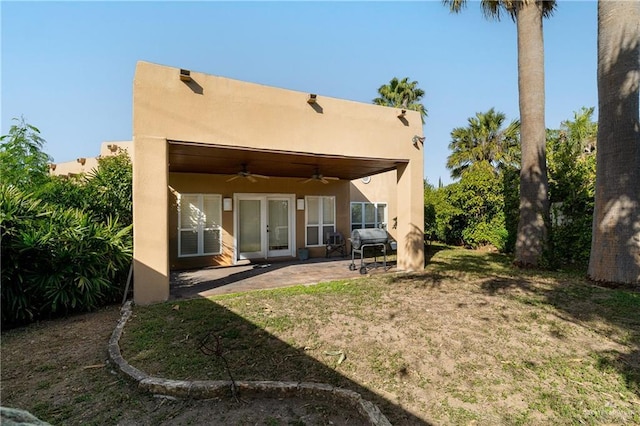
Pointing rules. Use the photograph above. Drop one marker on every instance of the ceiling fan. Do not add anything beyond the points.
(321, 178)
(244, 173)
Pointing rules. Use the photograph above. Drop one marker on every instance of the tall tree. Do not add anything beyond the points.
(483, 140)
(402, 94)
(534, 203)
(615, 246)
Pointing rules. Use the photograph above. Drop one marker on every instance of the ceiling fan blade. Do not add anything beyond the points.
(331, 178)
(323, 180)
(251, 179)
(233, 178)
(259, 176)
(306, 180)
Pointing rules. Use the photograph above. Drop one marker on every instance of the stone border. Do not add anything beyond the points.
(203, 389)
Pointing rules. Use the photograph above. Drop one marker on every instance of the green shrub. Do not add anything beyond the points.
(481, 234)
(18, 214)
(478, 202)
(109, 189)
(65, 192)
(571, 154)
(22, 161)
(56, 260)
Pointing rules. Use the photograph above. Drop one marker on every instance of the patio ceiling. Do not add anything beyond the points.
(189, 157)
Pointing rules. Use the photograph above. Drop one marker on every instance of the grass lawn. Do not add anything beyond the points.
(470, 340)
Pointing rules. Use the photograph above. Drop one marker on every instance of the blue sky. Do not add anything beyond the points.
(68, 66)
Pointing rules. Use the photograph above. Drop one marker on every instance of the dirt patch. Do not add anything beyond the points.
(58, 371)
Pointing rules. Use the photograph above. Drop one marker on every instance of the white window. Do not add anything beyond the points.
(368, 215)
(199, 224)
(320, 219)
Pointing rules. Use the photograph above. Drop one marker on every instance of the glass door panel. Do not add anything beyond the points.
(263, 224)
(250, 228)
(278, 228)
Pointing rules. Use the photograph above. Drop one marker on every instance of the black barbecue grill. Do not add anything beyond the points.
(364, 238)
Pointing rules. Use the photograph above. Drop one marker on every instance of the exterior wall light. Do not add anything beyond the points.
(52, 166)
(300, 203)
(312, 98)
(402, 113)
(227, 204)
(185, 75)
(81, 160)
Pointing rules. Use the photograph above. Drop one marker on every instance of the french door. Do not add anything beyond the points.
(264, 225)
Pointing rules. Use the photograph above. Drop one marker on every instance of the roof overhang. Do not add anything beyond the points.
(194, 157)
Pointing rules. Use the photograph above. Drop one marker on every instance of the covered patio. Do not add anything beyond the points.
(227, 171)
(250, 276)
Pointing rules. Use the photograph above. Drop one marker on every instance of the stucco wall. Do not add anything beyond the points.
(380, 189)
(113, 147)
(67, 168)
(229, 112)
(74, 167)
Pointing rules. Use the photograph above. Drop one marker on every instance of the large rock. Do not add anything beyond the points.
(17, 417)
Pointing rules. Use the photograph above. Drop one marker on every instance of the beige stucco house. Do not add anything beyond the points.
(227, 170)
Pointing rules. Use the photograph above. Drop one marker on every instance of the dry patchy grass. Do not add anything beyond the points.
(468, 341)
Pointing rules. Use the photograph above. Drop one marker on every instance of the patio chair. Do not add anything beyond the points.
(335, 242)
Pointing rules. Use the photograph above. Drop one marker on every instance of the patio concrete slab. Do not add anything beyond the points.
(259, 276)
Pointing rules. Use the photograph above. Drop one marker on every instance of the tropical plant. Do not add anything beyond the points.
(18, 212)
(109, 189)
(442, 219)
(581, 133)
(510, 177)
(431, 205)
(64, 192)
(484, 140)
(571, 164)
(478, 196)
(615, 247)
(470, 212)
(402, 94)
(534, 204)
(55, 260)
(22, 161)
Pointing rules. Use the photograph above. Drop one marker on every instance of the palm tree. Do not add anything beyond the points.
(531, 237)
(615, 244)
(581, 133)
(484, 140)
(402, 94)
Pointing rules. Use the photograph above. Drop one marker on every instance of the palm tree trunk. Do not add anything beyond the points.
(615, 245)
(534, 205)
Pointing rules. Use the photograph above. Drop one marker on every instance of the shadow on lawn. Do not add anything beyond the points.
(430, 250)
(245, 351)
(182, 281)
(577, 301)
(466, 261)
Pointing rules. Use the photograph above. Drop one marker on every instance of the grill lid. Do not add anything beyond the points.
(359, 237)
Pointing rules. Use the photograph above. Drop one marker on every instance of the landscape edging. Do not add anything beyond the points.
(202, 389)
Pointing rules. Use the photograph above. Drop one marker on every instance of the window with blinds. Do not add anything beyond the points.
(199, 224)
(320, 219)
(368, 215)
